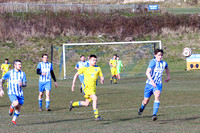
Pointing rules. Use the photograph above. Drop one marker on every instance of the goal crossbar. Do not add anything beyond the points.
(104, 43)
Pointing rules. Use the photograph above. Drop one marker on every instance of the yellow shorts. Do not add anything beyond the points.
(113, 71)
(88, 91)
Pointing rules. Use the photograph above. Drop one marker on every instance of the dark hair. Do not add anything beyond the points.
(44, 55)
(92, 55)
(15, 62)
(158, 50)
(6, 59)
(82, 56)
(115, 55)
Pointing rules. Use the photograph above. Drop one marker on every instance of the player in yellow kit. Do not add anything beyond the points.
(5, 67)
(89, 84)
(113, 68)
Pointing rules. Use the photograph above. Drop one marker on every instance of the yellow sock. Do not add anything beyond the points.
(78, 103)
(96, 113)
(115, 80)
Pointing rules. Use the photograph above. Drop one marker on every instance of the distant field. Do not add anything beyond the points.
(184, 10)
(118, 105)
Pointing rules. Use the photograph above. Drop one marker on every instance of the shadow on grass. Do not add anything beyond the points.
(56, 121)
(4, 105)
(111, 93)
(178, 120)
(124, 119)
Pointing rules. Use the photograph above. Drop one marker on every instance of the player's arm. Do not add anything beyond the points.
(39, 72)
(5, 77)
(77, 66)
(2, 68)
(149, 76)
(1, 87)
(24, 82)
(110, 63)
(101, 76)
(102, 79)
(168, 75)
(54, 78)
(74, 81)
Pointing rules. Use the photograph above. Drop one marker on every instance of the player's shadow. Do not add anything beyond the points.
(4, 105)
(126, 119)
(111, 93)
(56, 121)
(178, 120)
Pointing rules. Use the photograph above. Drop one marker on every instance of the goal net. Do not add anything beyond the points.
(134, 55)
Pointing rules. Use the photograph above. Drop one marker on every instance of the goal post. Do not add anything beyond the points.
(105, 46)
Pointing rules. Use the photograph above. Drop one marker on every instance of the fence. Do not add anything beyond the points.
(28, 7)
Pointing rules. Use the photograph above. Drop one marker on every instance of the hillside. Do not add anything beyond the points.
(26, 36)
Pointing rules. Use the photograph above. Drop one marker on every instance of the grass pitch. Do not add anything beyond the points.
(117, 104)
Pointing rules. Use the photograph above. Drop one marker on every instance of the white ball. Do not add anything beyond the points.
(187, 52)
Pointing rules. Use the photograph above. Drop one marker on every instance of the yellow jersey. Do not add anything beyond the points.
(5, 67)
(113, 62)
(90, 76)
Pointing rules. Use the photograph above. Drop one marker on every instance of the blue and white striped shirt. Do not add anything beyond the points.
(82, 64)
(13, 83)
(45, 68)
(157, 68)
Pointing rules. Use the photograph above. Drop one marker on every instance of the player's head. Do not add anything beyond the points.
(17, 64)
(117, 57)
(45, 58)
(158, 53)
(114, 56)
(6, 61)
(82, 58)
(93, 60)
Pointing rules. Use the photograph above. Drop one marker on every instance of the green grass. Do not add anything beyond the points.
(193, 10)
(118, 104)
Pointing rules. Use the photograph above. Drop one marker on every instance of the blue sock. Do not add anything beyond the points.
(47, 103)
(143, 107)
(156, 107)
(40, 103)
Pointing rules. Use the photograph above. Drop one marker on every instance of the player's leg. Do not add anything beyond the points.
(81, 78)
(118, 73)
(12, 106)
(7, 83)
(148, 91)
(40, 97)
(47, 100)
(94, 105)
(156, 104)
(17, 103)
(79, 103)
(111, 70)
(115, 75)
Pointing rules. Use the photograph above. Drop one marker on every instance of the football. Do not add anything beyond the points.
(187, 52)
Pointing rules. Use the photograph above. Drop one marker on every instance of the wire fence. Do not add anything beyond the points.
(28, 7)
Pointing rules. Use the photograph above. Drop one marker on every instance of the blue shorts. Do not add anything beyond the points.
(43, 86)
(19, 98)
(149, 89)
(81, 77)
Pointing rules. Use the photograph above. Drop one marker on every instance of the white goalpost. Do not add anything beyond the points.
(158, 42)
